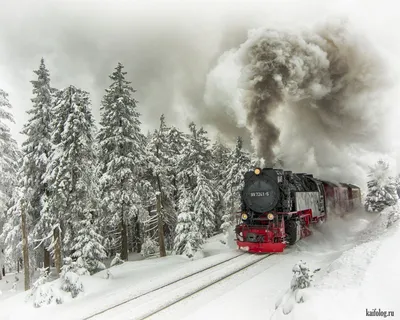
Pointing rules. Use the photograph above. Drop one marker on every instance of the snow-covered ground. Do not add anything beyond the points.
(357, 256)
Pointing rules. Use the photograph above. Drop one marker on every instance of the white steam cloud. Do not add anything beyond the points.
(312, 99)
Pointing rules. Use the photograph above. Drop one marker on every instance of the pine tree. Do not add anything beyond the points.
(195, 153)
(195, 175)
(11, 236)
(220, 157)
(70, 172)
(89, 246)
(382, 190)
(160, 175)
(9, 154)
(37, 148)
(204, 205)
(9, 166)
(239, 163)
(177, 141)
(188, 239)
(121, 155)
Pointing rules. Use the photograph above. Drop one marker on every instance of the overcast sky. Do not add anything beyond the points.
(168, 47)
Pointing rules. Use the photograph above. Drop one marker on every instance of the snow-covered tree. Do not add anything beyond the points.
(177, 141)
(121, 155)
(204, 205)
(239, 163)
(382, 190)
(36, 149)
(11, 236)
(9, 166)
(196, 153)
(196, 177)
(70, 173)
(162, 172)
(88, 246)
(70, 276)
(301, 281)
(9, 155)
(188, 238)
(220, 157)
(117, 260)
(42, 293)
(149, 247)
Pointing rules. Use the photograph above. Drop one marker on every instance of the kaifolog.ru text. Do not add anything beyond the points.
(378, 313)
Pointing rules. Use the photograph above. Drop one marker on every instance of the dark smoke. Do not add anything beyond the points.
(329, 76)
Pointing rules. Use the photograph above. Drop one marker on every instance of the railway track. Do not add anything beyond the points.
(143, 294)
(157, 300)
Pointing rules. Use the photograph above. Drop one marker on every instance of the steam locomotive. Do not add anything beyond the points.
(278, 207)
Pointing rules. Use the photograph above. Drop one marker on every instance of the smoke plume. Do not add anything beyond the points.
(328, 78)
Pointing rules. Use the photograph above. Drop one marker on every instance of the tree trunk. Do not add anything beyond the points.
(161, 240)
(57, 250)
(138, 243)
(124, 240)
(46, 260)
(25, 251)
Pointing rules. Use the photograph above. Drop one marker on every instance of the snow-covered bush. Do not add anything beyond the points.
(108, 274)
(302, 278)
(117, 260)
(390, 215)
(149, 247)
(70, 272)
(382, 190)
(43, 293)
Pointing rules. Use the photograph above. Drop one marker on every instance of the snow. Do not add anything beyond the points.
(357, 256)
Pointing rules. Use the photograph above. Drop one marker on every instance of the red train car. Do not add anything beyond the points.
(278, 207)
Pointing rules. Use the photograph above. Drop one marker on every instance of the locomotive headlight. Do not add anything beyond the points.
(244, 216)
(270, 216)
(257, 171)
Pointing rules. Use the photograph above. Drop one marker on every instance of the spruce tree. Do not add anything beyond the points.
(10, 221)
(382, 190)
(88, 245)
(9, 153)
(195, 173)
(196, 153)
(161, 173)
(188, 239)
(177, 141)
(121, 155)
(70, 172)
(37, 148)
(239, 163)
(204, 204)
(220, 157)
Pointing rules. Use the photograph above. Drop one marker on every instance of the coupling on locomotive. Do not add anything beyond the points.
(278, 207)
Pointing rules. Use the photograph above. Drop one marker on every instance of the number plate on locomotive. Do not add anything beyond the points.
(259, 194)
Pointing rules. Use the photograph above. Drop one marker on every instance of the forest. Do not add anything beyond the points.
(77, 189)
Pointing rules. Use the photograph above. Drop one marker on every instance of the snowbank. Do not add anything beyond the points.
(129, 279)
(360, 280)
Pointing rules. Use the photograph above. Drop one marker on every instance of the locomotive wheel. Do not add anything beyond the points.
(291, 231)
